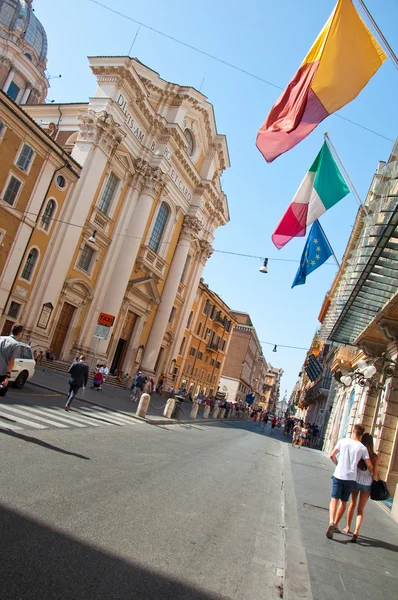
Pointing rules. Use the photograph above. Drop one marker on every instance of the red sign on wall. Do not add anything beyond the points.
(106, 320)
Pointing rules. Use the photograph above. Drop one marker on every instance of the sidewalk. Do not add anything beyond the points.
(321, 569)
(111, 397)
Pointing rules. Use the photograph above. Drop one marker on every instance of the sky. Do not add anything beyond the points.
(269, 39)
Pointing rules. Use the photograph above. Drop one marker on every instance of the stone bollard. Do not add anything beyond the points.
(206, 412)
(169, 408)
(222, 413)
(194, 411)
(143, 406)
(215, 413)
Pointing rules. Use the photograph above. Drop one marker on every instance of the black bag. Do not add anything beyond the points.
(379, 491)
(362, 465)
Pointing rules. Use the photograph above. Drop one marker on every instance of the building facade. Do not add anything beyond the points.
(245, 367)
(37, 178)
(205, 344)
(136, 230)
(271, 388)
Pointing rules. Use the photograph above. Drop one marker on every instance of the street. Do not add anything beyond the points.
(111, 507)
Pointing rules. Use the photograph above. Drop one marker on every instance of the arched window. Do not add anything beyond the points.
(190, 320)
(48, 215)
(30, 264)
(191, 142)
(182, 346)
(159, 227)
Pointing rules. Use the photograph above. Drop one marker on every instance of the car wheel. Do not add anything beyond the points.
(21, 380)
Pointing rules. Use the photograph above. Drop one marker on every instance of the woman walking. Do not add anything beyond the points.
(362, 488)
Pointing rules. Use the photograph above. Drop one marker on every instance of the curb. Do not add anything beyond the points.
(296, 574)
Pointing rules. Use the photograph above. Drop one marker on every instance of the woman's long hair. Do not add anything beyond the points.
(367, 441)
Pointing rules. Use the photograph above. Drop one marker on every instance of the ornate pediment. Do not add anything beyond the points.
(145, 288)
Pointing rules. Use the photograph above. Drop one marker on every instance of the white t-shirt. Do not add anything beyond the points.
(350, 453)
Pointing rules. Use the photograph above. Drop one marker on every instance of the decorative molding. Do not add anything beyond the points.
(389, 328)
(205, 249)
(371, 348)
(154, 182)
(191, 228)
(100, 129)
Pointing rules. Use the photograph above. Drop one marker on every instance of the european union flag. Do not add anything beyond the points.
(316, 251)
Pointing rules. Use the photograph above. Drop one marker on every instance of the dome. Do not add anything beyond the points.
(18, 16)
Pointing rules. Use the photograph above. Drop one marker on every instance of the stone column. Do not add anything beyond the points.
(25, 95)
(128, 365)
(190, 229)
(8, 80)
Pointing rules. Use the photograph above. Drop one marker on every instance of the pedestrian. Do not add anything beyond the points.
(97, 381)
(273, 423)
(264, 421)
(350, 451)
(362, 488)
(159, 387)
(297, 433)
(79, 372)
(10, 349)
(104, 371)
(137, 387)
(303, 435)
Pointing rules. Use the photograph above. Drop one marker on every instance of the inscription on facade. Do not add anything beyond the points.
(129, 119)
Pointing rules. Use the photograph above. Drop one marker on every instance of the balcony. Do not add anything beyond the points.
(213, 346)
(320, 388)
(151, 263)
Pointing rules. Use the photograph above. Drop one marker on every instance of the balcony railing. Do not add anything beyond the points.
(213, 346)
(321, 387)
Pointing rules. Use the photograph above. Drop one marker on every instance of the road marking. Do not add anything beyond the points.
(123, 419)
(23, 421)
(31, 413)
(83, 412)
(9, 426)
(47, 412)
(38, 395)
(73, 418)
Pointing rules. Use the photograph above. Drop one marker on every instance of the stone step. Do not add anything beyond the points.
(63, 367)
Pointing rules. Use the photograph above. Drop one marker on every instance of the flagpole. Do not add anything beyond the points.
(390, 51)
(330, 245)
(353, 188)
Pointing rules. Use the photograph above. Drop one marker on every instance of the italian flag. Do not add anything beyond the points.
(322, 187)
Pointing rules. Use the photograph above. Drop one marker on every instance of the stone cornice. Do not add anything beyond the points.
(100, 129)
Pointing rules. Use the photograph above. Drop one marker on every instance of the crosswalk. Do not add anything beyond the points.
(19, 417)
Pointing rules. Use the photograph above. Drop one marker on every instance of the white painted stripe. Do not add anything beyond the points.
(8, 425)
(73, 418)
(83, 412)
(31, 413)
(125, 419)
(103, 415)
(47, 412)
(23, 421)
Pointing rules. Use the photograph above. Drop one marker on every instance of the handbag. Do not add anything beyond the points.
(379, 491)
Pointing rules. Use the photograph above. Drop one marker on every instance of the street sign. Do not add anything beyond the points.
(101, 332)
(106, 320)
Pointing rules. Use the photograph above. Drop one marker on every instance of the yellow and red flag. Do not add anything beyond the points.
(342, 60)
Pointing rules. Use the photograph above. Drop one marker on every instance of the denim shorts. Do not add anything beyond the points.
(341, 488)
(362, 488)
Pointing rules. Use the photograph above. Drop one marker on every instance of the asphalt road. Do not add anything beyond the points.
(140, 512)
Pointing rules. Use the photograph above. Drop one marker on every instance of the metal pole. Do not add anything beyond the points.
(353, 188)
(95, 353)
(330, 246)
(383, 39)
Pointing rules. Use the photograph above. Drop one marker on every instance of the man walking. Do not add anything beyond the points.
(78, 379)
(10, 349)
(350, 451)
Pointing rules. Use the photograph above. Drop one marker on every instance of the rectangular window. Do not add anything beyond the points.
(212, 362)
(218, 365)
(188, 368)
(172, 314)
(26, 353)
(192, 351)
(196, 372)
(13, 91)
(13, 310)
(200, 355)
(86, 258)
(213, 312)
(108, 193)
(25, 158)
(208, 376)
(199, 328)
(224, 343)
(206, 358)
(206, 307)
(2, 127)
(12, 190)
(202, 374)
(207, 332)
(185, 271)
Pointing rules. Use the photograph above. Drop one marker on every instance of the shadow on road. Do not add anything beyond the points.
(39, 562)
(32, 440)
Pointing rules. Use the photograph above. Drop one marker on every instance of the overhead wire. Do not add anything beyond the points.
(222, 61)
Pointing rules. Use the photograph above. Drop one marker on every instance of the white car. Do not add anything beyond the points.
(24, 367)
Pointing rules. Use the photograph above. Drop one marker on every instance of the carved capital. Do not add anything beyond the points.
(389, 328)
(100, 129)
(191, 228)
(206, 249)
(154, 182)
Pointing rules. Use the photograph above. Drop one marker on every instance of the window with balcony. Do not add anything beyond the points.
(159, 227)
(86, 258)
(108, 193)
(25, 158)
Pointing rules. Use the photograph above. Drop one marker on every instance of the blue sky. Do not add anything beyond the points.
(270, 39)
